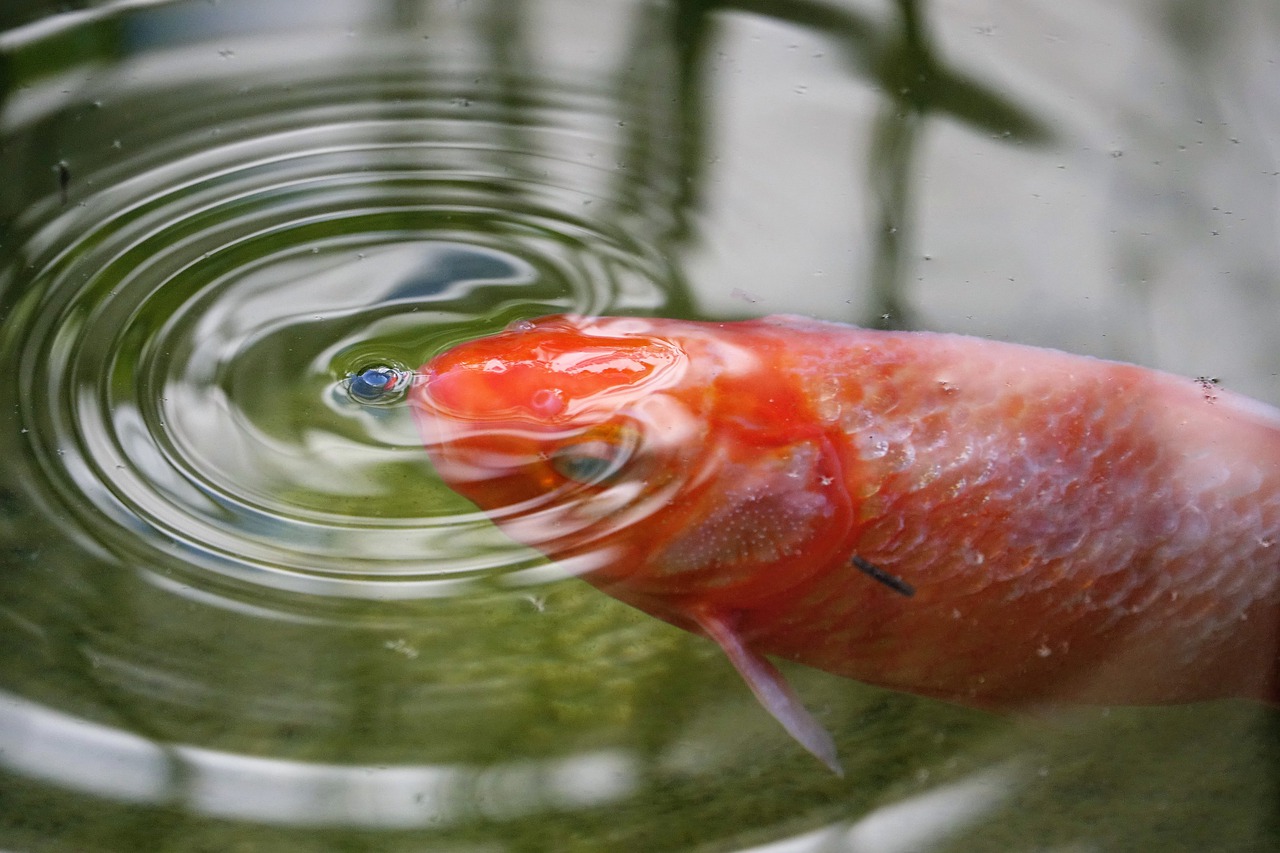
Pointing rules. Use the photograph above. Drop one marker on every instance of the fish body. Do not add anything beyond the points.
(986, 523)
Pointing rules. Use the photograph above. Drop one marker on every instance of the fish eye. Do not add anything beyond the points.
(590, 462)
(596, 455)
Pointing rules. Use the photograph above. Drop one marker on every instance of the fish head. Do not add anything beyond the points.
(553, 425)
(629, 446)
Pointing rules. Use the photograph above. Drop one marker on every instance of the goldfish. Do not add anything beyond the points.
(985, 523)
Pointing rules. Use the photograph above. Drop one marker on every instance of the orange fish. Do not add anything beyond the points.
(990, 524)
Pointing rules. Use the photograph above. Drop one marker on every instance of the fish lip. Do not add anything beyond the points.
(427, 406)
(420, 385)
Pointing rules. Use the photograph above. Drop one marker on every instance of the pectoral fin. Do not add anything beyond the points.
(772, 689)
(776, 506)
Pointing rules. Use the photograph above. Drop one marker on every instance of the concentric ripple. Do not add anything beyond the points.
(186, 330)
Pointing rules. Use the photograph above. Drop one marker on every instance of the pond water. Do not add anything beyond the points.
(239, 611)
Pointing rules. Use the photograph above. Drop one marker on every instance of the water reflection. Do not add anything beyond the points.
(104, 761)
(922, 822)
(233, 602)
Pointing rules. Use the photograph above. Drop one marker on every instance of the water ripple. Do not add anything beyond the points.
(186, 328)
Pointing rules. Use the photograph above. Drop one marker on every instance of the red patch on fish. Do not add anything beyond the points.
(981, 522)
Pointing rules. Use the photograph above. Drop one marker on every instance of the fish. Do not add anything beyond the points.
(985, 523)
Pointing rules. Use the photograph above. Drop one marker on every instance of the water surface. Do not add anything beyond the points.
(238, 610)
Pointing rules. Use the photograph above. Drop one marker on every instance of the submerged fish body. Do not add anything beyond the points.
(986, 523)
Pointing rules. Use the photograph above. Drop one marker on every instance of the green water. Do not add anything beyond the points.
(238, 610)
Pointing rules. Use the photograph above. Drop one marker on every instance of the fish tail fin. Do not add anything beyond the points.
(772, 690)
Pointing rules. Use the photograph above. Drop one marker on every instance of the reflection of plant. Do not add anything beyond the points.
(902, 63)
(662, 100)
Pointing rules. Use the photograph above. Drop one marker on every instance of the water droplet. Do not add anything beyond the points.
(401, 646)
(378, 384)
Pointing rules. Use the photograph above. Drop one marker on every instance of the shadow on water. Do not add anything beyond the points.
(374, 669)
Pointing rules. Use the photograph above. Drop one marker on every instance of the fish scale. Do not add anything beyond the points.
(986, 523)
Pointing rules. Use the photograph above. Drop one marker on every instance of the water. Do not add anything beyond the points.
(239, 611)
